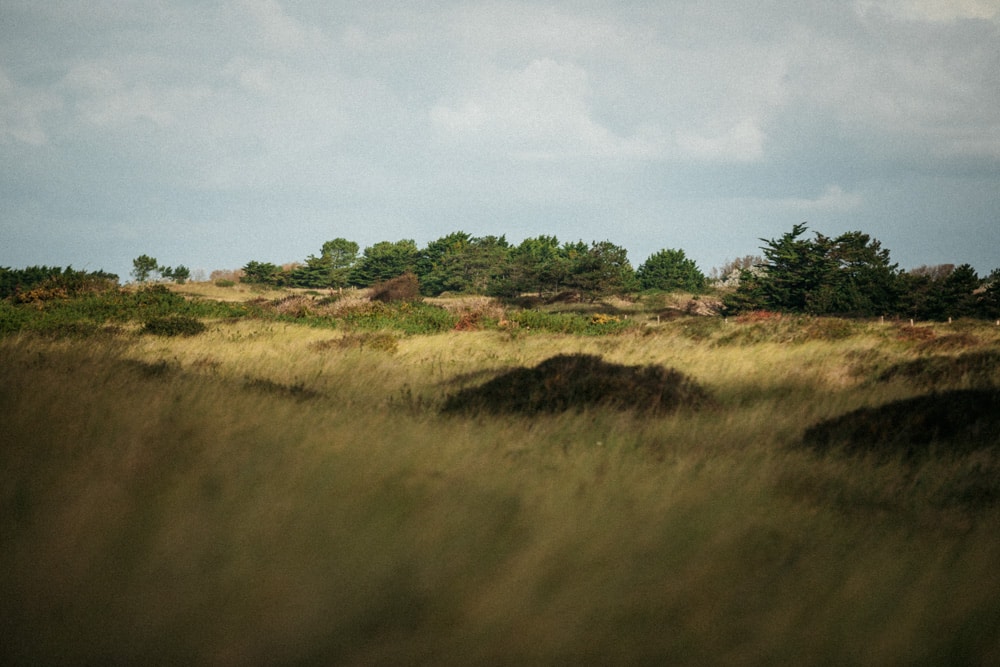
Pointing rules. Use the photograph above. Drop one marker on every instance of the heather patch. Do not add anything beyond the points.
(578, 381)
(946, 423)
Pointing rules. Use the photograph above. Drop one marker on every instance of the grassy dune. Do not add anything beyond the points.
(269, 493)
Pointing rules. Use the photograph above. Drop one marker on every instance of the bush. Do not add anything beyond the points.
(952, 422)
(225, 283)
(579, 381)
(408, 317)
(12, 319)
(174, 325)
(402, 288)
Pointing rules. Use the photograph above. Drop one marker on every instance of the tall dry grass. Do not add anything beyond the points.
(259, 495)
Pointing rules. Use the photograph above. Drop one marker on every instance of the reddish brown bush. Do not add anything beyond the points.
(401, 288)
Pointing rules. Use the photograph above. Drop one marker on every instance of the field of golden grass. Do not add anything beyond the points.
(272, 493)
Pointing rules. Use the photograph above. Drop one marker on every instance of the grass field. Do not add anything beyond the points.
(268, 492)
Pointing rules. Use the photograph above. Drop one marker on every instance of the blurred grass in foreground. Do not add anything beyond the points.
(255, 495)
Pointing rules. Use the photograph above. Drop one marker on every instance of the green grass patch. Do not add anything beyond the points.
(568, 323)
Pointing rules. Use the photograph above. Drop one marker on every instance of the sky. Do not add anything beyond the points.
(210, 134)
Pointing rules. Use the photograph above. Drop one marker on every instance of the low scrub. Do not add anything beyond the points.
(402, 288)
(408, 317)
(174, 325)
(570, 323)
(945, 423)
(578, 381)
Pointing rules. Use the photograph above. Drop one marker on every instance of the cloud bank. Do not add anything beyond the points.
(257, 129)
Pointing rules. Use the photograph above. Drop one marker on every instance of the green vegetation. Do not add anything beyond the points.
(146, 268)
(463, 264)
(670, 271)
(283, 487)
(847, 275)
(39, 283)
(174, 325)
(850, 275)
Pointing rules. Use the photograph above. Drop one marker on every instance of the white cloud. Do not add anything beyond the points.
(742, 142)
(539, 112)
(103, 98)
(492, 28)
(384, 110)
(922, 89)
(276, 29)
(22, 112)
(937, 11)
(833, 199)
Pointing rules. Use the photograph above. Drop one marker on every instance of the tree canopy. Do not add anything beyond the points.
(670, 270)
(847, 275)
(850, 274)
(384, 261)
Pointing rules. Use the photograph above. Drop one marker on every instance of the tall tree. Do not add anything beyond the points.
(988, 304)
(179, 274)
(339, 255)
(599, 270)
(959, 292)
(848, 275)
(462, 263)
(144, 267)
(670, 270)
(435, 265)
(262, 273)
(858, 277)
(330, 269)
(383, 261)
(534, 265)
(941, 291)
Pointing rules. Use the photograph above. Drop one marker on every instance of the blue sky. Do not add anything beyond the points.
(210, 134)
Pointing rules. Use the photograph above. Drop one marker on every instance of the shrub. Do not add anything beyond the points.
(12, 319)
(401, 288)
(601, 319)
(294, 306)
(174, 325)
(71, 329)
(409, 317)
(952, 422)
(578, 381)
(225, 283)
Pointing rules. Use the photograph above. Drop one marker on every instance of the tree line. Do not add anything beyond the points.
(853, 275)
(849, 275)
(487, 265)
